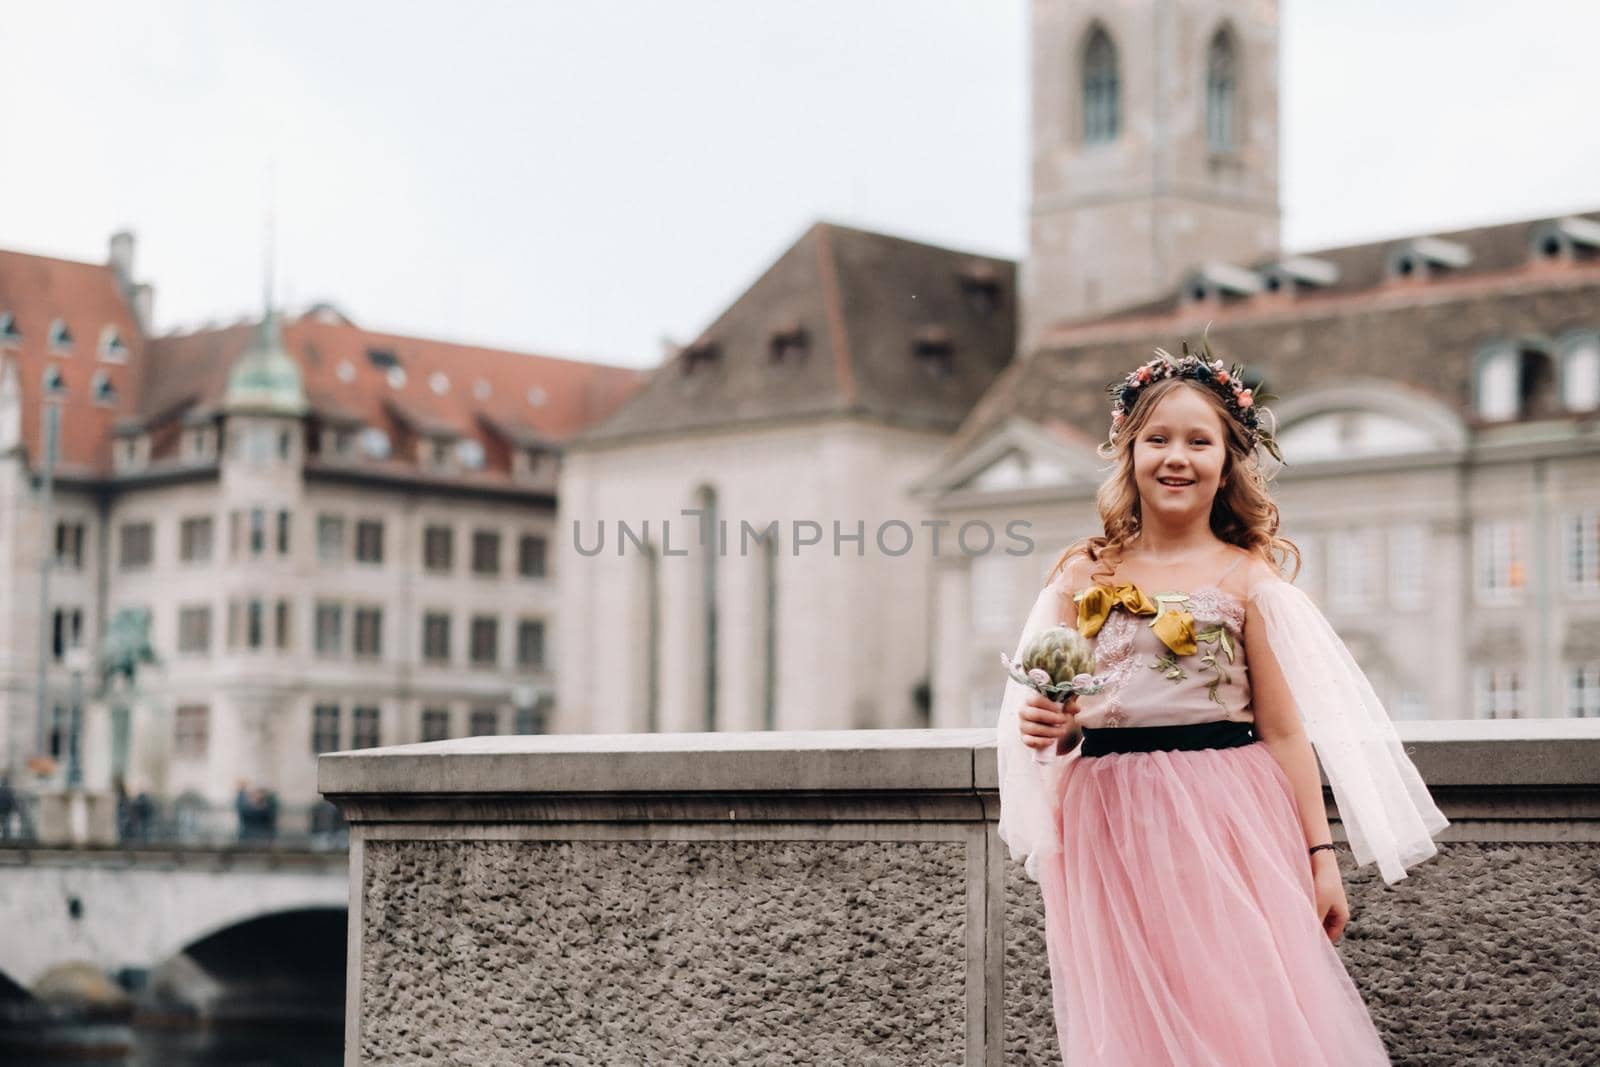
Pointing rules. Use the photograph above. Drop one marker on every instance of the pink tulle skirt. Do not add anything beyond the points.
(1181, 925)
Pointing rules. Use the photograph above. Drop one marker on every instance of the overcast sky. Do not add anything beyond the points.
(585, 178)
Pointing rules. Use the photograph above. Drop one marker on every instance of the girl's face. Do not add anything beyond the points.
(1182, 443)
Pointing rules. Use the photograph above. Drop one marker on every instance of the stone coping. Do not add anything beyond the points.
(1504, 753)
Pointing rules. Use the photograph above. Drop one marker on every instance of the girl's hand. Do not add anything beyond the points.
(1332, 907)
(1044, 722)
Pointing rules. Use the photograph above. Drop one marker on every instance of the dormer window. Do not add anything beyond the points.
(1222, 282)
(1580, 371)
(980, 288)
(112, 348)
(60, 336)
(439, 453)
(383, 358)
(934, 351)
(54, 385)
(1297, 273)
(703, 353)
(197, 444)
(9, 334)
(104, 393)
(470, 453)
(789, 342)
(1424, 257)
(1566, 239)
(375, 443)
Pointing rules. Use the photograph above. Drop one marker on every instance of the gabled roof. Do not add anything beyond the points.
(835, 327)
(36, 291)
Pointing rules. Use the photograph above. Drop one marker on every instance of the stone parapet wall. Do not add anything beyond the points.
(842, 897)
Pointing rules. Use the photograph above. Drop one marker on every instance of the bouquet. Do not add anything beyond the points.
(1059, 663)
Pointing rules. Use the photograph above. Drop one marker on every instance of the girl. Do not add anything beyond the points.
(1174, 820)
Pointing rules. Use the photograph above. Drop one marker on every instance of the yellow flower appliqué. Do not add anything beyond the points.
(1174, 626)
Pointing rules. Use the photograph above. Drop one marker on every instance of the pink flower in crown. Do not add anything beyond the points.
(1245, 399)
(1144, 374)
(1222, 376)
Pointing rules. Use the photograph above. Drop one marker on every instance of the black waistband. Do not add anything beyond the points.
(1219, 733)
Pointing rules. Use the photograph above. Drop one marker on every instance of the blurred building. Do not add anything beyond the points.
(1441, 394)
(343, 538)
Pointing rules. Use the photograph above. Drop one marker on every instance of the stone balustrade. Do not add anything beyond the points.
(842, 898)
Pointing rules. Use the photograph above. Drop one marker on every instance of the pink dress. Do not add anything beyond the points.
(1180, 916)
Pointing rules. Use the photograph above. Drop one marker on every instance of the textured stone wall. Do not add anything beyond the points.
(635, 952)
(1485, 954)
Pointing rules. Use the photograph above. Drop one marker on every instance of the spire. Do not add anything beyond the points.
(266, 379)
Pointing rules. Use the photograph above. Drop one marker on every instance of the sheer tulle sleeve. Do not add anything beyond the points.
(1030, 790)
(1387, 813)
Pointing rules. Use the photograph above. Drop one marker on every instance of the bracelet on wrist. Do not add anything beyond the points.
(1314, 849)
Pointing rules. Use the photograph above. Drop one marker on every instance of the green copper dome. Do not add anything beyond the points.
(266, 380)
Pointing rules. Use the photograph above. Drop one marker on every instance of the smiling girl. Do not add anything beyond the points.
(1191, 887)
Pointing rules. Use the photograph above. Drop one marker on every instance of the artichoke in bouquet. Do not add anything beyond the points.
(1058, 662)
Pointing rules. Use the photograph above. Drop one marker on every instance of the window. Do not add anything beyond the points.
(330, 629)
(283, 533)
(531, 551)
(1583, 691)
(54, 383)
(280, 624)
(532, 720)
(135, 544)
(1407, 580)
(324, 728)
(112, 347)
(194, 539)
(1101, 104)
(369, 632)
(482, 722)
(101, 389)
(364, 727)
(1498, 693)
(191, 731)
(258, 531)
(485, 552)
(60, 336)
(1499, 561)
(254, 624)
(369, 540)
(485, 640)
(69, 546)
(8, 328)
(1499, 372)
(1411, 704)
(435, 724)
(436, 637)
(330, 538)
(530, 644)
(1221, 94)
(194, 629)
(1583, 552)
(990, 592)
(66, 630)
(1580, 372)
(1352, 567)
(438, 548)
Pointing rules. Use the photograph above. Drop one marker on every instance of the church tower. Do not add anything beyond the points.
(1155, 149)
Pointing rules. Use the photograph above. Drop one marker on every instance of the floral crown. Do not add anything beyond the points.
(1242, 402)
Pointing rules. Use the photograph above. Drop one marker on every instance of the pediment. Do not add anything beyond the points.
(1019, 454)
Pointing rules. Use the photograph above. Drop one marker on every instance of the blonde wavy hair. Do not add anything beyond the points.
(1242, 512)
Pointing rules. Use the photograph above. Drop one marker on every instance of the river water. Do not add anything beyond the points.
(278, 1045)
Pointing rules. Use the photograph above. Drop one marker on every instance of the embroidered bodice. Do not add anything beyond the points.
(1168, 658)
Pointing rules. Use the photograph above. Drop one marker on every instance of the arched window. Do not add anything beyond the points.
(1101, 91)
(1222, 83)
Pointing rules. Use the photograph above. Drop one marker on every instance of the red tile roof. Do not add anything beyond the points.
(88, 298)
